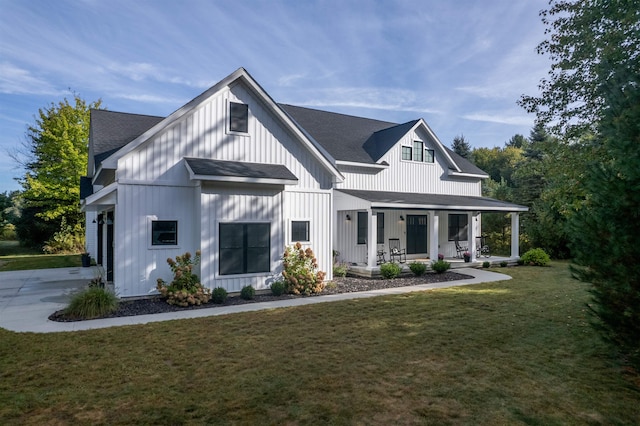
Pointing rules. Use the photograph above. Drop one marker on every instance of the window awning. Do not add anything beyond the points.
(238, 171)
(408, 200)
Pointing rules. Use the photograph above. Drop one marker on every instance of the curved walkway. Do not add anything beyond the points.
(27, 298)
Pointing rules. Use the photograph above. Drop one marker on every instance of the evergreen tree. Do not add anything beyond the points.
(461, 147)
(592, 98)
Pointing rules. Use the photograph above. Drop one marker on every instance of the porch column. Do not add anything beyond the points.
(515, 235)
(472, 235)
(434, 238)
(372, 251)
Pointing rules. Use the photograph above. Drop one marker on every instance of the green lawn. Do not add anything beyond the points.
(512, 352)
(14, 257)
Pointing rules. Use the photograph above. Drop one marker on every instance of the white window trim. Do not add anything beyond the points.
(228, 118)
(218, 275)
(289, 231)
(150, 245)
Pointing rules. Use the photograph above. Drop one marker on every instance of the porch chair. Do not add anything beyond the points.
(395, 251)
(381, 258)
(459, 249)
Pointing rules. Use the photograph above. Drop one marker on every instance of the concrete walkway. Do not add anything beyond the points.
(27, 298)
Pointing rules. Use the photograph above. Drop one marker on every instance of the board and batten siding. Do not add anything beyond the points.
(203, 134)
(223, 203)
(138, 264)
(411, 176)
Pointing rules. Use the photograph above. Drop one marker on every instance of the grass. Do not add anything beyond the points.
(512, 352)
(13, 257)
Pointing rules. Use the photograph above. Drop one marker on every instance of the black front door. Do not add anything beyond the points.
(416, 234)
(110, 246)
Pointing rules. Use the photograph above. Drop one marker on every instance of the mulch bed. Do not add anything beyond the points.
(155, 305)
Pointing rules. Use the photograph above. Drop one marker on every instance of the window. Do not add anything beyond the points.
(238, 117)
(300, 230)
(429, 156)
(363, 227)
(164, 233)
(245, 248)
(380, 229)
(458, 227)
(407, 153)
(418, 151)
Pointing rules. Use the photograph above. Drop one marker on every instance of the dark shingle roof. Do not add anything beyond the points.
(436, 201)
(111, 130)
(208, 167)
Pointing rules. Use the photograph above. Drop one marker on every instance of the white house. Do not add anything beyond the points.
(240, 177)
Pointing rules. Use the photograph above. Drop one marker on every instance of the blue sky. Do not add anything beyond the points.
(459, 64)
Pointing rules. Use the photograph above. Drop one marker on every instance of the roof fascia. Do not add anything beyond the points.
(362, 165)
(470, 175)
(102, 194)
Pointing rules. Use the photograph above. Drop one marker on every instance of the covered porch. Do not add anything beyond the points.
(423, 226)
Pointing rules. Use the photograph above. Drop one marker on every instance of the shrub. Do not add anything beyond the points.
(503, 264)
(520, 262)
(486, 264)
(440, 266)
(390, 270)
(278, 288)
(68, 240)
(418, 268)
(300, 271)
(247, 292)
(185, 289)
(219, 295)
(93, 302)
(535, 257)
(340, 269)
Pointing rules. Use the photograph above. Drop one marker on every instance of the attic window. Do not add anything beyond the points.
(238, 117)
(418, 153)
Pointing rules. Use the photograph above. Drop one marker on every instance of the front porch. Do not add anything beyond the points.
(363, 270)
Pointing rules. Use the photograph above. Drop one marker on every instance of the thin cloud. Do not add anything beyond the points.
(17, 81)
(514, 120)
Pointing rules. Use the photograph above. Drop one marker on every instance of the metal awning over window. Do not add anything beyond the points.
(238, 171)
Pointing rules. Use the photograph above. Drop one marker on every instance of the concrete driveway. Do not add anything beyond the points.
(31, 296)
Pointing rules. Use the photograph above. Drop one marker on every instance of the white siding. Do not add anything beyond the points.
(411, 176)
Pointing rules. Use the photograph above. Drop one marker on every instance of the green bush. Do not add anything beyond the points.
(440, 266)
(300, 271)
(278, 288)
(247, 292)
(390, 270)
(486, 264)
(219, 295)
(93, 302)
(68, 240)
(503, 264)
(418, 268)
(535, 257)
(185, 289)
(340, 269)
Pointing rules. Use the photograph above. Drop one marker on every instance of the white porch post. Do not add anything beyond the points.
(472, 235)
(515, 235)
(372, 240)
(434, 238)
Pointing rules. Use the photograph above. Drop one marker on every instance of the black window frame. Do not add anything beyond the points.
(238, 248)
(458, 228)
(295, 233)
(418, 151)
(407, 153)
(363, 227)
(431, 157)
(238, 117)
(156, 241)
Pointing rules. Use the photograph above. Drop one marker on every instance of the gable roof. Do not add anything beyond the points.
(111, 130)
(364, 140)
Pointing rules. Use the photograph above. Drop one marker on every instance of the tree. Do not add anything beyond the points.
(461, 147)
(516, 141)
(55, 158)
(593, 89)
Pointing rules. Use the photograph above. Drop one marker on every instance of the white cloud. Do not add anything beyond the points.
(514, 120)
(15, 80)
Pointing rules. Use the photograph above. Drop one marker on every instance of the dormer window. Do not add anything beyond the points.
(238, 117)
(418, 153)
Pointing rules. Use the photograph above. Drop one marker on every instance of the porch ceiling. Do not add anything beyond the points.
(408, 200)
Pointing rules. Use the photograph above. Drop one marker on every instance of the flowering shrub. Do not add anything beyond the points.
(440, 256)
(300, 271)
(185, 289)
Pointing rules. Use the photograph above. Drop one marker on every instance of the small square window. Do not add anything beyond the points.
(300, 230)
(164, 233)
(407, 153)
(429, 156)
(238, 117)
